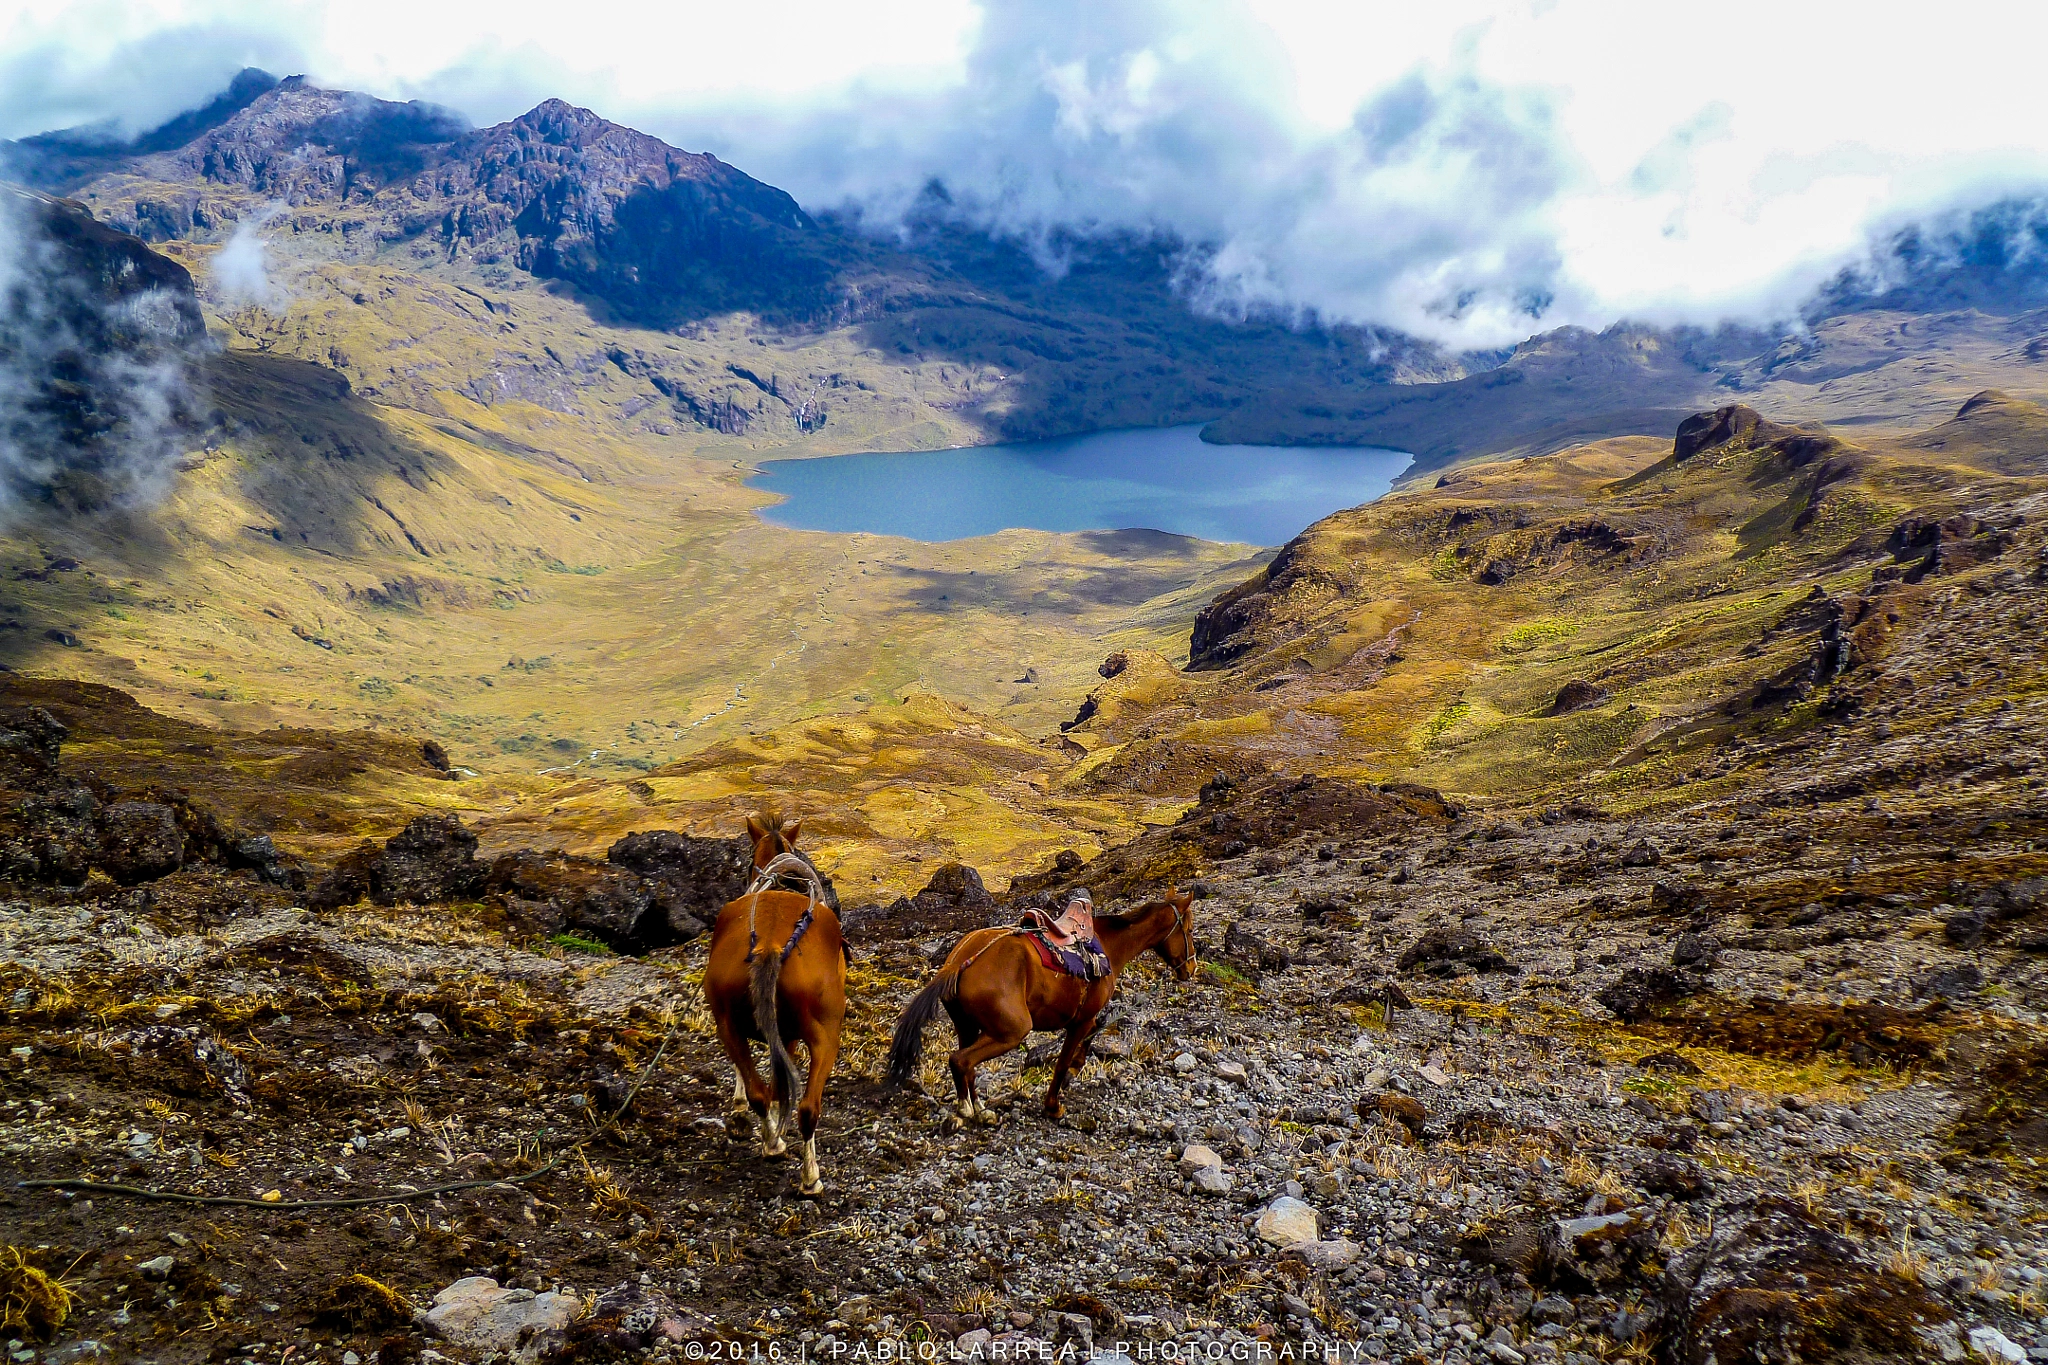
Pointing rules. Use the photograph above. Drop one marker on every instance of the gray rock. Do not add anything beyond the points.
(1331, 1255)
(476, 1313)
(1287, 1222)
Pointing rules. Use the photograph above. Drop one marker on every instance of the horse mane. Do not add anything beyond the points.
(1125, 919)
(772, 819)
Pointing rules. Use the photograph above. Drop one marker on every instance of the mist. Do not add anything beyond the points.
(95, 384)
(240, 271)
(1468, 173)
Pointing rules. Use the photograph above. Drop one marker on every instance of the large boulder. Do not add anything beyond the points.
(1640, 992)
(1288, 1222)
(953, 902)
(139, 841)
(433, 859)
(693, 877)
(1773, 1284)
(555, 892)
(1451, 952)
(29, 741)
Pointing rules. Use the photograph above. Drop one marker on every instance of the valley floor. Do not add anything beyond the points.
(1756, 1073)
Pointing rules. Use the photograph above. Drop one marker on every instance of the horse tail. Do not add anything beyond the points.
(767, 985)
(766, 976)
(906, 1048)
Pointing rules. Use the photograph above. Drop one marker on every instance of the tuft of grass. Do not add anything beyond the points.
(607, 1192)
(1224, 974)
(363, 1304)
(576, 943)
(31, 1300)
(1906, 1263)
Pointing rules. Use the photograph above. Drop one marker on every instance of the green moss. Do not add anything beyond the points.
(1529, 634)
(576, 943)
(1437, 726)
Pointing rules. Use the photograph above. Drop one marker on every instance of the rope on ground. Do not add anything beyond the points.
(359, 1201)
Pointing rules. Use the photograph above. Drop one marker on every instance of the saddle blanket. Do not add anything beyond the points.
(1085, 960)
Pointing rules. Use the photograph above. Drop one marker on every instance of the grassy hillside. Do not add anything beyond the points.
(1596, 624)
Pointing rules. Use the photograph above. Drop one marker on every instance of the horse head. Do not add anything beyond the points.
(1178, 946)
(772, 837)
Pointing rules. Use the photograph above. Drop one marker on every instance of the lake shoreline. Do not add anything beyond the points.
(1150, 479)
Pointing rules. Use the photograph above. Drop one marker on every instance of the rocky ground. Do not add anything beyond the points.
(1751, 1076)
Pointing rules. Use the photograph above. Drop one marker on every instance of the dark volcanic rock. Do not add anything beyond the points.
(1697, 951)
(555, 892)
(1775, 1285)
(1677, 1176)
(953, 902)
(139, 841)
(1252, 952)
(432, 859)
(1577, 695)
(1451, 952)
(30, 739)
(1951, 983)
(1641, 989)
(693, 877)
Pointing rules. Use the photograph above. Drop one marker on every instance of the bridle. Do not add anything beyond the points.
(1184, 920)
(798, 868)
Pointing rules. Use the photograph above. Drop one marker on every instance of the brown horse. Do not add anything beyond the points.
(999, 992)
(777, 975)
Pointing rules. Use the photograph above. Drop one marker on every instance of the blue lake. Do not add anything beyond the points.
(1159, 479)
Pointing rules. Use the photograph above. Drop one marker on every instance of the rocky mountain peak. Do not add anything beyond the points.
(300, 141)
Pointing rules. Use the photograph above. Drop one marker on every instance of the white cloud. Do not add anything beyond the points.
(240, 270)
(1441, 168)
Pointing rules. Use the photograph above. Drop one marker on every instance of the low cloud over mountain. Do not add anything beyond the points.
(95, 332)
(1470, 175)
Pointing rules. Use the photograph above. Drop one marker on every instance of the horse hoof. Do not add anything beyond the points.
(951, 1124)
(815, 1190)
(989, 1118)
(775, 1153)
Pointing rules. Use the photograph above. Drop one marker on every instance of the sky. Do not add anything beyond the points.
(1468, 172)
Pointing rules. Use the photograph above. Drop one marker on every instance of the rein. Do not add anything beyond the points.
(789, 862)
(1185, 922)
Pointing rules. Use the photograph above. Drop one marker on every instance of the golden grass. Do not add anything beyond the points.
(364, 1304)
(31, 1299)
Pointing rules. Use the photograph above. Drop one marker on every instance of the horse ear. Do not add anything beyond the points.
(1183, 898)
(791, 830)
(755, 828)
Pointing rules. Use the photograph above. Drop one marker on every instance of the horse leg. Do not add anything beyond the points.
(751, 1087)
(1001, 1036)
(970, 1031)
(1078, 1034)
(822, 1043)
